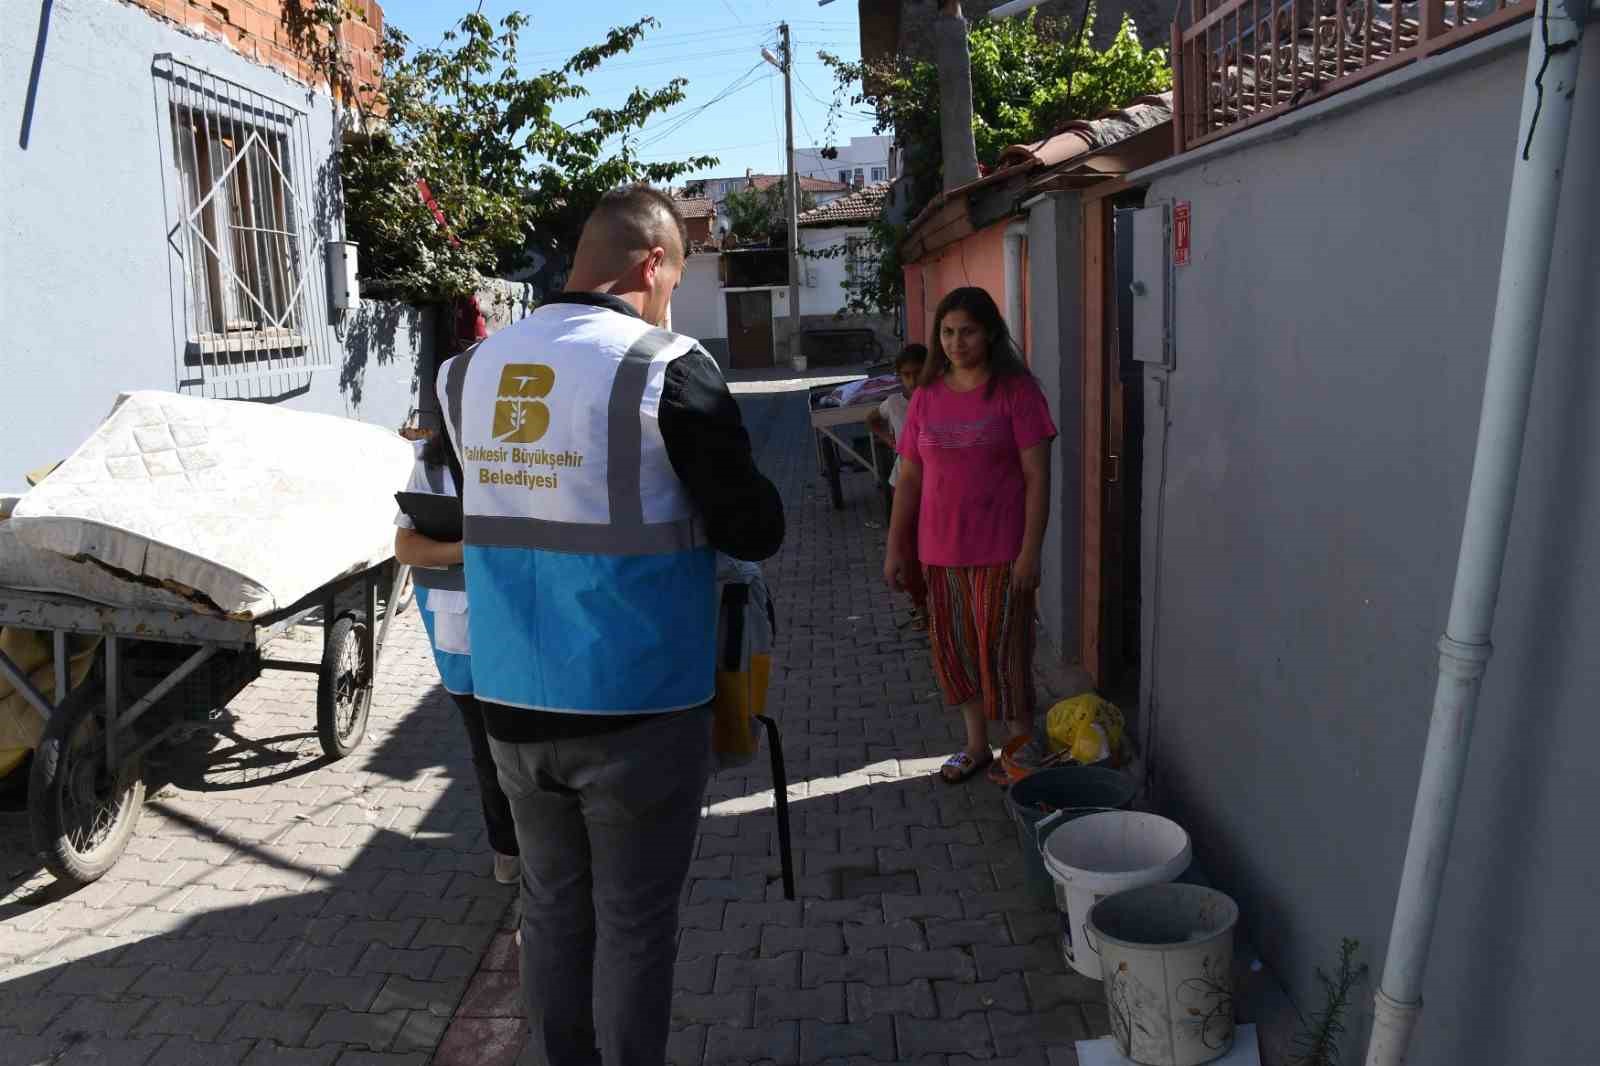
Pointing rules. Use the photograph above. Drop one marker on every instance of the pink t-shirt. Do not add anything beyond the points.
(970, 446)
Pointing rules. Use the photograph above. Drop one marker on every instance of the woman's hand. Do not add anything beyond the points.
(1025, 572)
(414, 549)
(897, 570)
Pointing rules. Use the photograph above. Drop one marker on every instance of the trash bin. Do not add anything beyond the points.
(1100, 855)
(1167, 952)
(1071, 791)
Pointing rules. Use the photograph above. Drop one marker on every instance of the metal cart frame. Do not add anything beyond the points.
(227, 656)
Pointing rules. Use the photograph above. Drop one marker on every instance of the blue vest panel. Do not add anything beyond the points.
(592, 634)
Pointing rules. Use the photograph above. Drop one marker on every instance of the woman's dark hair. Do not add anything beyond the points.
(911, 355)
(1004, 359)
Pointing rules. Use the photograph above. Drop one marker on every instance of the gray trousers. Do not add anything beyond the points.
(606, 829)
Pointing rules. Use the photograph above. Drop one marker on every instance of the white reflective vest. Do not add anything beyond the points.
(593, 590)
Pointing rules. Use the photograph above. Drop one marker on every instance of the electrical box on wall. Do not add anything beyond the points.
(1151, 284)
(344, 291)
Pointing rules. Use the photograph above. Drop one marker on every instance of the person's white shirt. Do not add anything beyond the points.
(894, 409)
(449, 606)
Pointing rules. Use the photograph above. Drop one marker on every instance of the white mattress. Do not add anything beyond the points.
(250, 506)
(22, 567)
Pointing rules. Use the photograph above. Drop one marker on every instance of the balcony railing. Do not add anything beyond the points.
(1238, 63)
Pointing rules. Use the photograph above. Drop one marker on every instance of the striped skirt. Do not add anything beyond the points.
(983, 637)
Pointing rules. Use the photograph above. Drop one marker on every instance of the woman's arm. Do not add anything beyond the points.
(907, 499)
(413, 549)
(1036, 483)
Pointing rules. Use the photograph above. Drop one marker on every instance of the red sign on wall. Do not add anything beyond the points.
(1180, 234)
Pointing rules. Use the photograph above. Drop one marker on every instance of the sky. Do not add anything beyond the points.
(715, 44)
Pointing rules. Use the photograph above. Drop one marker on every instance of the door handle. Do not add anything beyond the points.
(1114, 469)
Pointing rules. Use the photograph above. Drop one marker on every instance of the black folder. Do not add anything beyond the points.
(436, 517)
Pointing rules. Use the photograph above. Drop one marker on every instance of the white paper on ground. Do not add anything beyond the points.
(1103, 1052)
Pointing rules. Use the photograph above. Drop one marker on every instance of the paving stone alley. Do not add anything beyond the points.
(274, 909)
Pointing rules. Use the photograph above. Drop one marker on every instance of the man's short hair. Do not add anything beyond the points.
(636, 218)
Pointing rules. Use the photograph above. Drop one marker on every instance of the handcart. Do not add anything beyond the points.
(827, 425)
(157, 677)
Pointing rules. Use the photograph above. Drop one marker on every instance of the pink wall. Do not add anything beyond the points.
(976, 260)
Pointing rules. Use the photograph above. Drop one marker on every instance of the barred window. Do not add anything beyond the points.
(861, 265)
(252, 263)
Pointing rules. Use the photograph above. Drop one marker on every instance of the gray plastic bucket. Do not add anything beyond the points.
(1070, 792)
(1167, 954)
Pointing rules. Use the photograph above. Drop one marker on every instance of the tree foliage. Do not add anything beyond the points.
(761, 216)
(507, 178)
(1030, 75)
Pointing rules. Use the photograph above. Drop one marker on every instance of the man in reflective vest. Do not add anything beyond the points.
(605, 464)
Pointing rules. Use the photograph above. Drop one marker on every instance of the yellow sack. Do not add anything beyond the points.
(1086, 727)
(21, 725)
(745, 629)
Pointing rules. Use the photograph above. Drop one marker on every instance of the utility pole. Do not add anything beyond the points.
(796, 358)
(954, 62)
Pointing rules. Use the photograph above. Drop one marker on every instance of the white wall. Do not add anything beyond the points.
(92, 292)
(1332, 330)
(697, 309)
(823, 293)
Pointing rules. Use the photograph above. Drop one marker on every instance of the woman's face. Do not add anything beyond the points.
(964, 341)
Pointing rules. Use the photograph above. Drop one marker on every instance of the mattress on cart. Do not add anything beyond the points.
(241, 507)
(27, 568)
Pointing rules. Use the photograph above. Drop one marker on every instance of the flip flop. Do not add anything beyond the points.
(964, 765)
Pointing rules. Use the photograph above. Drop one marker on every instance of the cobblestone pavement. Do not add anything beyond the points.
(275, 909)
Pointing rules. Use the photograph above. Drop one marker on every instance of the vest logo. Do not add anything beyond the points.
(519, 415)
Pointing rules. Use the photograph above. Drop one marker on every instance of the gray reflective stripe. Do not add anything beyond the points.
(624, 428)
(434, 476)
(451, 580)
(583, 538)
(454, 382)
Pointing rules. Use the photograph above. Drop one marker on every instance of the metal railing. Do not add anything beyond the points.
(1238, 63)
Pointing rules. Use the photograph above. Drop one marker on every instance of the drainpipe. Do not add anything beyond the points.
(1464, 650)
(1016, 234)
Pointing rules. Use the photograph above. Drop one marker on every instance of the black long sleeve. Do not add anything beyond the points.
(710, 451)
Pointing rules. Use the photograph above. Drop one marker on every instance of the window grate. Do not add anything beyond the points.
(255, 305)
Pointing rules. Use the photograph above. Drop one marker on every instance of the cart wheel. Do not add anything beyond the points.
(344, 687)
(82, 814)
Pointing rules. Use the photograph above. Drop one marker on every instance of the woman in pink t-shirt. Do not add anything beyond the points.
(975, 484)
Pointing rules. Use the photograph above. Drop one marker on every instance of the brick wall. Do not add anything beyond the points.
(255, 29)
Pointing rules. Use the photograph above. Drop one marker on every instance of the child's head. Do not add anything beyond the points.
(908, 365)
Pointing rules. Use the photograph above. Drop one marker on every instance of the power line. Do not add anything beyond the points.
(739, 84)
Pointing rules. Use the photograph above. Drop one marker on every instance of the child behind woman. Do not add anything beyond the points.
(886, 423)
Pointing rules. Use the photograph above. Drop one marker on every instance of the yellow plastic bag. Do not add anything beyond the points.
(1088, 728)
(21, 725)
(745, 630)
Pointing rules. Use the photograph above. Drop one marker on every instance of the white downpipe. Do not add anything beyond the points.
(1464, 650)
(1016, 236)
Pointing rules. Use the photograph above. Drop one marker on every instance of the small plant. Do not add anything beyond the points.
(1317, 1043)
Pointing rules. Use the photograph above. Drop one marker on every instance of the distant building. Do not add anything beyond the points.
(864, 161)
(700, 216)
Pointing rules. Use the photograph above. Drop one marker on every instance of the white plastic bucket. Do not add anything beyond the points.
(1099, 855)
(1167, 951)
